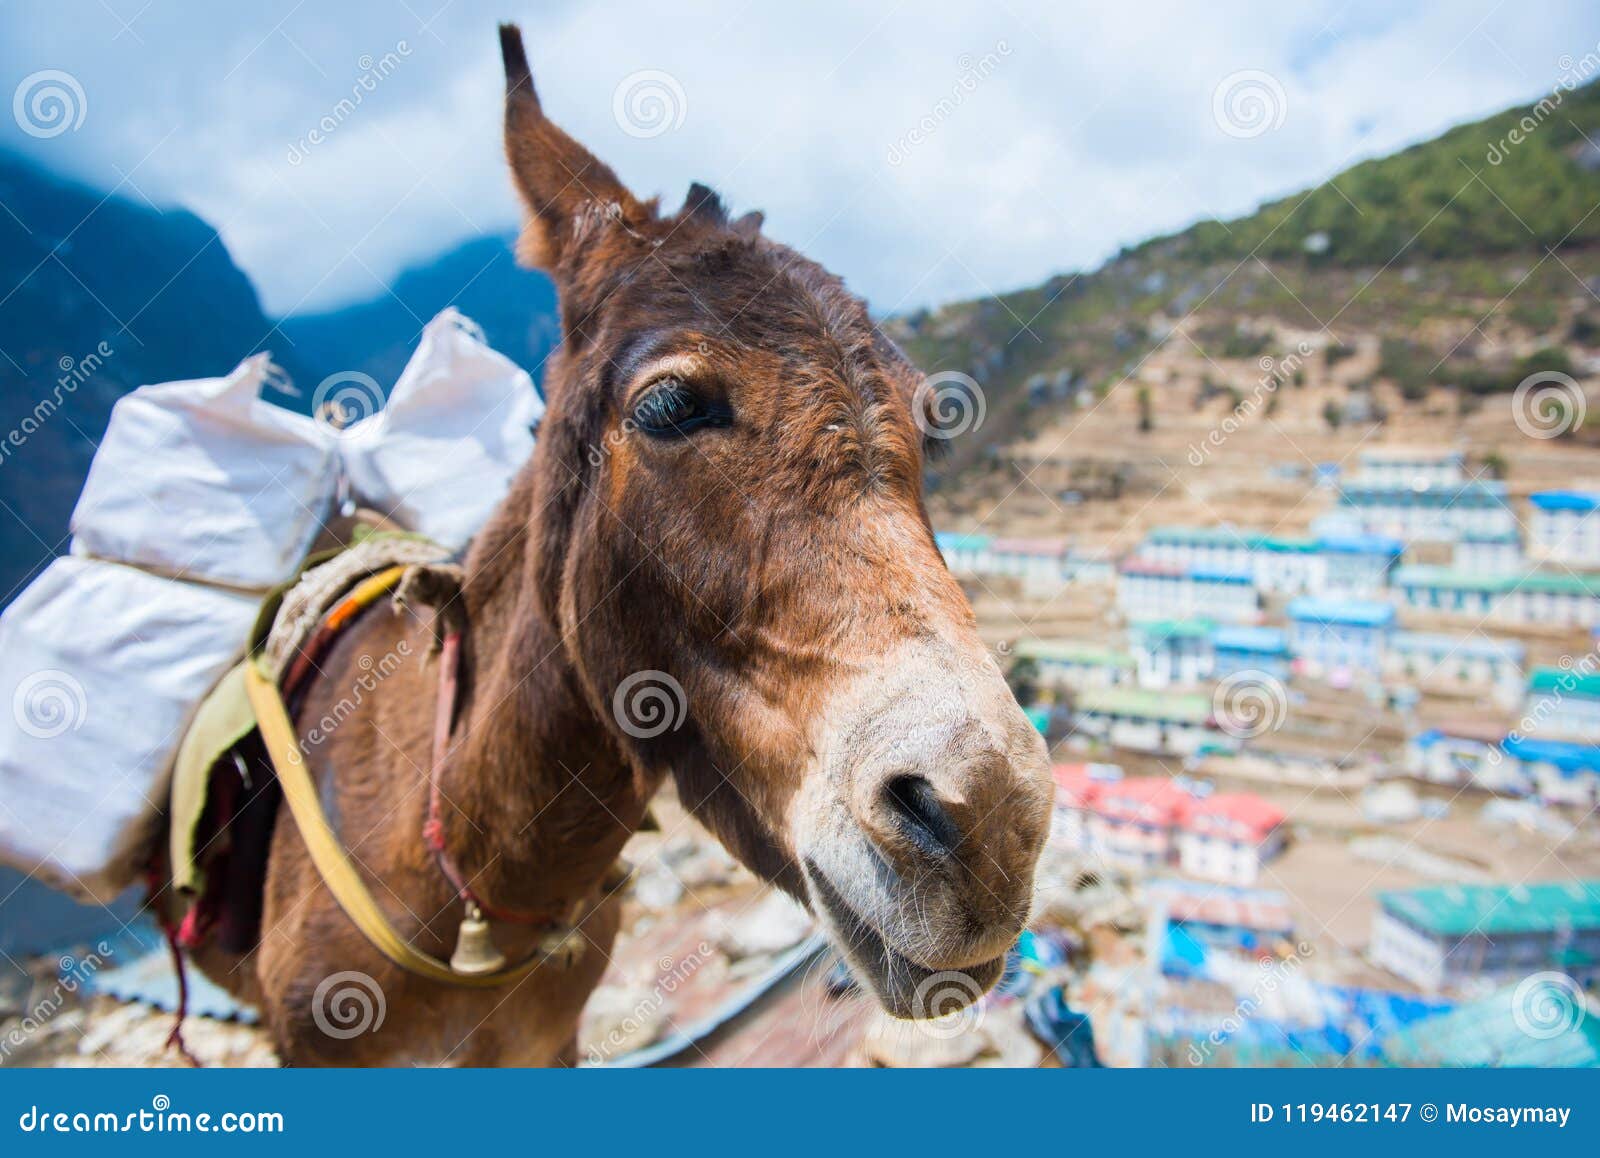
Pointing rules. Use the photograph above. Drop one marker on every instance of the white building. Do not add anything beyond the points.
(1411, 467)
(1153, 591)
(1447, 591)
(967, 556)
(1039, 563)
(1440, 513)
(1456, 664)
(1334, 639)
(1562, 704)
(1173, 652)
(1074, 665)
(1356, 565)
(1564, 527)
(1229, 836)
(1484, 552)
(1444, 936)
(1157, 722)
(1467, 753)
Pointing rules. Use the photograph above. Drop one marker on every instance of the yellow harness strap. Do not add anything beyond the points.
(327, 853)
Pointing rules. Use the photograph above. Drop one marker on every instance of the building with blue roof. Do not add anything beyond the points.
(1147, 590)
(1489, 551)
(1564, 527)
(1562, 771)
(1336, 638)
(1263, 649)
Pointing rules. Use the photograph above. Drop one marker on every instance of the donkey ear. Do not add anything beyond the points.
(568, 193)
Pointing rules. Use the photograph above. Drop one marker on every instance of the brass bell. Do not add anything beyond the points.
(475, 952)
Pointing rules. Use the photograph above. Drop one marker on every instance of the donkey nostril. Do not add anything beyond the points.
(921, 815)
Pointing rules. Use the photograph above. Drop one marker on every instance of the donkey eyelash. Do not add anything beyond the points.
(670, 408)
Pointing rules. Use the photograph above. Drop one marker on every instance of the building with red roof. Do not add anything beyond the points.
(1142, 823)
(1228, 837)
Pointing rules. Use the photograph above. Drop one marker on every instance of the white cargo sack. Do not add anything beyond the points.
(441, 454)
(206, 480)
(103, 666)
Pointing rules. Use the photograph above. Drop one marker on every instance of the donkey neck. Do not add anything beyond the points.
(542, 799)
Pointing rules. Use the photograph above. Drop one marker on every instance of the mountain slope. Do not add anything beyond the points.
(1445, 259)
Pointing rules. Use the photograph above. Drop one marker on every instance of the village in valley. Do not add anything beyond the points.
(1322, 697)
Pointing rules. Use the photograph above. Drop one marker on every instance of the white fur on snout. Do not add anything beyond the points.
(927, 712)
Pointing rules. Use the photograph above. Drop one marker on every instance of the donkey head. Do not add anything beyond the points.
(728, 492)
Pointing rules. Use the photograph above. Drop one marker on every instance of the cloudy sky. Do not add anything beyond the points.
(926, 150)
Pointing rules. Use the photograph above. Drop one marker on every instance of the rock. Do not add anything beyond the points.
(657, 888)
(769, 926)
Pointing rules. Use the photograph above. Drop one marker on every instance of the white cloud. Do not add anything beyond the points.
(1093, 127)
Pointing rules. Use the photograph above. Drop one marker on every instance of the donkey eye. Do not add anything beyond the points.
(670, 408)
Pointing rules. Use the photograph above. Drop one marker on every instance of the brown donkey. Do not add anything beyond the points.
(726, 499)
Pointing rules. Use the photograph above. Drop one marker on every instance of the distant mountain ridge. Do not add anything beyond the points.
(101, 293)
(480, 277)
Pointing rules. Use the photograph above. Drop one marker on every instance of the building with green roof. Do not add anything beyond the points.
(1444, 936)
(1145, 721)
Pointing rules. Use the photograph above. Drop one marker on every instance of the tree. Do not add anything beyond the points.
(1147, 420)
(1332, 414)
